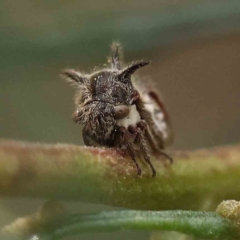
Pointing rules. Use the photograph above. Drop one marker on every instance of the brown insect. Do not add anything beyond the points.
(115, 112)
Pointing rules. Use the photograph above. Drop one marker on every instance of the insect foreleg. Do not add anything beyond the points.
(143, 126)
(88, 139)
(126, 138)
(85, 137)
(139, 140)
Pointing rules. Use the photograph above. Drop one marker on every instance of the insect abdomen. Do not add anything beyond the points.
(159, 125)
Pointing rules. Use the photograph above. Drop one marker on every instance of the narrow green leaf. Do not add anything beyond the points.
(206, 225)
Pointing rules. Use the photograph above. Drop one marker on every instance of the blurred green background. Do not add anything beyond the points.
(194, 47)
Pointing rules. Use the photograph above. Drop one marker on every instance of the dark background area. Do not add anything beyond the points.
(194, 47)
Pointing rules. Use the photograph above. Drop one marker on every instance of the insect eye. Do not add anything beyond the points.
(121, 111)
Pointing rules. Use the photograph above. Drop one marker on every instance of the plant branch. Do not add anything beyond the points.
(196, 180)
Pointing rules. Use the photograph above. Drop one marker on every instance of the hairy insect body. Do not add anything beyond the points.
(114, 113)
(161, 128)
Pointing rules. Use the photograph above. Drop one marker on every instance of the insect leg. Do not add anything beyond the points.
(126, 137)
(141, 141)
(85, 138)
(143, 126)
(76, 117)
(88, 139)
(117, 138)
(156, 147)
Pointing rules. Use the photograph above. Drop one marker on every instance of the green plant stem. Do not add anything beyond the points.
(206, 225)
(196, 180)
(51, 221)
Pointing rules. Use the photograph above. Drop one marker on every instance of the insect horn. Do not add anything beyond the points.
(128, 71)
(73, 75)
(116, 55)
